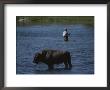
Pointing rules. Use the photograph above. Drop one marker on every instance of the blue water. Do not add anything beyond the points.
(32, 39)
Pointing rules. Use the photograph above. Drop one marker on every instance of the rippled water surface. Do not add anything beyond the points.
(32, 39)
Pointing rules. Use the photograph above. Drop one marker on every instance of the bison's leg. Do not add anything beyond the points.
(69, 62)
(70, 66)
(50, 67)
(66, 65)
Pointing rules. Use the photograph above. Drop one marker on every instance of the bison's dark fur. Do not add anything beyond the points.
(51, 57)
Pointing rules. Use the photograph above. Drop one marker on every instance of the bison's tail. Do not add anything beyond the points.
(69, 59)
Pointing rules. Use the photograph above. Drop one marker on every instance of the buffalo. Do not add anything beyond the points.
(51, 57)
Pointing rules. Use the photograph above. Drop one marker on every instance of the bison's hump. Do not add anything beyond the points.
(50, 53)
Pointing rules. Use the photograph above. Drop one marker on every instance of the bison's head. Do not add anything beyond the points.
(37, 58)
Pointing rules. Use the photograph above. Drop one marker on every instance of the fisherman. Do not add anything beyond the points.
(65, 35)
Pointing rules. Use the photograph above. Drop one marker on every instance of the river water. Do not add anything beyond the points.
(32, 39)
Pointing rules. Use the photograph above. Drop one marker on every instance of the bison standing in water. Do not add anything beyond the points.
(51, 57)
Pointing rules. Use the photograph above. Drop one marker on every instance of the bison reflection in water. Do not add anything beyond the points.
(51, 57)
